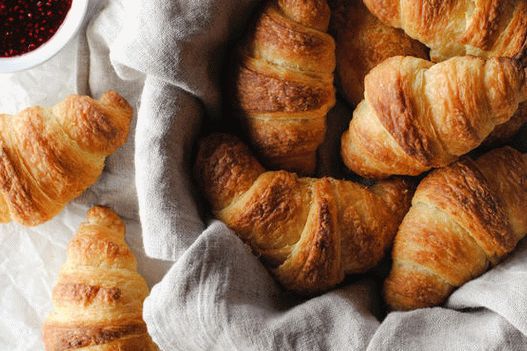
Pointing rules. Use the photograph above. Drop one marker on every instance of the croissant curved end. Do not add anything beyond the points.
(106, 217)
(406, 289)
(113, 98)
(311, 13)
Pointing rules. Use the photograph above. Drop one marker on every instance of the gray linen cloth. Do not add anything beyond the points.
(167, 56)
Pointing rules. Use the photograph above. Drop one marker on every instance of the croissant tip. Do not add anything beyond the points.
(210, 143)
(103, 215)
(111, 97)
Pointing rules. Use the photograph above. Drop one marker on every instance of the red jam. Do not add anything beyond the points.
(27, 24)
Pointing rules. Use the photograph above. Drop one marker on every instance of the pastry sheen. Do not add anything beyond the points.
(98, 297)
(283, 83)
(464, 219)
(309, 232)
(417, 115)
(49, 156)
(484, 28)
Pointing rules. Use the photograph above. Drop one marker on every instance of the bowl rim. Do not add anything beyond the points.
(67, 30)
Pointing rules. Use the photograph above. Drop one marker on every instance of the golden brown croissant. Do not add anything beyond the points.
(98, 298)
(485, 28)
(362, 42)
(464, 218)
(310, 232)
(283, 85)
(417, 115)
(49, 156)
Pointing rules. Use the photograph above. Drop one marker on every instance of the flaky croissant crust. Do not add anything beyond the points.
(485, 28)
(283, 82)
(417, 115)
(464, 218)
(49, 156)
(310, 232)
(99, 295)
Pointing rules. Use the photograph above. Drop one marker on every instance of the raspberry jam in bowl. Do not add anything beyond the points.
(33, 31)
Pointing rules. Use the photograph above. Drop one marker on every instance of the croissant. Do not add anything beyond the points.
(487, 28)
(362, 42)
(506, 131)
(464, 218)
(417, 115)
(283, 83)
(98, 298)
(49, 156)
(310, 232)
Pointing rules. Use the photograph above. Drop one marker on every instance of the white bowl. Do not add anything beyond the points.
(66, 31)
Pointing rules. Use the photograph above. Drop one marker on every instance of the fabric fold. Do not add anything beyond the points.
(219, 296)
(168, 122)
